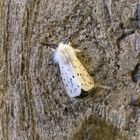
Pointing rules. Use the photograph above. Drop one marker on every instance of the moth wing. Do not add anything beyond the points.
(71, 84)
(81, 74)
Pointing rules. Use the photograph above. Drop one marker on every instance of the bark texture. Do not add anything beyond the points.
(33, 102)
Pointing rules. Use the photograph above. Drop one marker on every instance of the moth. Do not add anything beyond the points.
(74, 75)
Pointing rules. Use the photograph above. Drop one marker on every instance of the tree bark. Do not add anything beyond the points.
(33, 102)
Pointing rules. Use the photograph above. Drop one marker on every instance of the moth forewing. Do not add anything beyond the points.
(72, 86)
(81, 74)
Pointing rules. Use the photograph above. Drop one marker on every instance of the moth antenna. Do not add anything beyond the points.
(69, 38)
(53, 46)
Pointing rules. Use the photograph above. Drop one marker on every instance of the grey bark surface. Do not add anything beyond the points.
(33, 102)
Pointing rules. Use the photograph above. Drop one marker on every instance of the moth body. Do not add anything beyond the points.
(74, 75)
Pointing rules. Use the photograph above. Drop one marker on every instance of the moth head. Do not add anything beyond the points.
(63, 45)
(65, 42)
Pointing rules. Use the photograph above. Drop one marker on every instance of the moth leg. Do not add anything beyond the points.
(78, 50)
(51, 63)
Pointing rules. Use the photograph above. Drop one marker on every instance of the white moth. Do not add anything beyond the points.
(74, 75)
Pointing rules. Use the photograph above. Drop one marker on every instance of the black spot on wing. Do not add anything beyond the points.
(69, 80)
(90, 83)
(75, 89)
